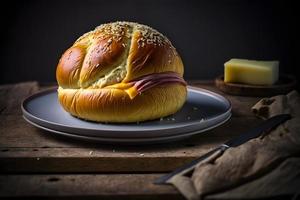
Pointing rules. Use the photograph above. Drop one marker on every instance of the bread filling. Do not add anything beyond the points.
(117, 73)
(140, 85)
(114, 76)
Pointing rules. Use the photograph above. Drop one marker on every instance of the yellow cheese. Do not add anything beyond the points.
(132, 92)
(251, 72)
(129, 88)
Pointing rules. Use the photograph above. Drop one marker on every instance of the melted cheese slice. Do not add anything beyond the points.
(129, 88)
(251, 72)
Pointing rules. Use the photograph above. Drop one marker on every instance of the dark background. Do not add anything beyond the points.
(206, 33)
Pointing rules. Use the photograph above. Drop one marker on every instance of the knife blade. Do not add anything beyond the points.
(239, 140)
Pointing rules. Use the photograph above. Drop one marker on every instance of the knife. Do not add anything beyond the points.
(265, 126)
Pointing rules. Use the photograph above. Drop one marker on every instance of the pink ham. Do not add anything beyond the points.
(146, 82)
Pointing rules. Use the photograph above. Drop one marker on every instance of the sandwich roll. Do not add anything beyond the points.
(121, 72)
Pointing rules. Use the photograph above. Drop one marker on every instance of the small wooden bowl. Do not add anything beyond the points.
(285, 84)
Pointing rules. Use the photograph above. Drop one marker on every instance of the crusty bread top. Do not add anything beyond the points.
(116, 52)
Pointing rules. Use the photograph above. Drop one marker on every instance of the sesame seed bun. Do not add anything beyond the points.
(117, 54)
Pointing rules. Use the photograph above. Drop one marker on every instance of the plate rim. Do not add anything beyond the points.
(149, 140)
(135, 130)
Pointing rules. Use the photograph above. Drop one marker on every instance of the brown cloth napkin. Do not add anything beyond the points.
(264, 167)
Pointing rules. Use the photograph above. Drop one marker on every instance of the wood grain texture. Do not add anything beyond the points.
(100, 186)
(28, 149)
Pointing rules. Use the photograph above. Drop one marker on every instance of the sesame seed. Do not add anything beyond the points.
(117, 30)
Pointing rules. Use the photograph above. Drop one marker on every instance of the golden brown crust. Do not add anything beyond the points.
(104, 54)
(69, 66)
(151, 57)
(138, 50)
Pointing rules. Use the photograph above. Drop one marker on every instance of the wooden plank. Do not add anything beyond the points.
(33, 150)
(16, 132)
(100, 186)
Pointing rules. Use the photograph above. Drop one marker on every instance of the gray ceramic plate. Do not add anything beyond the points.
(202, 111)
(139, 141)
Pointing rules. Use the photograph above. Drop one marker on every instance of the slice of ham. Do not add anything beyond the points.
(146, 82)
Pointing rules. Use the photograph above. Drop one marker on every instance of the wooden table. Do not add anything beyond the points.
(34, 163)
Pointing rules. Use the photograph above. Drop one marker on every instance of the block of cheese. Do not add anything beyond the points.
(251, 72)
